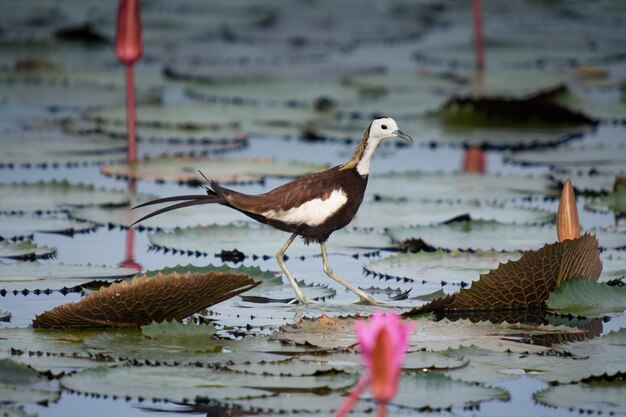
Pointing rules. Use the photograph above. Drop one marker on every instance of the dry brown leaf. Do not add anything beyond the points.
(527, 282)
(145, 300)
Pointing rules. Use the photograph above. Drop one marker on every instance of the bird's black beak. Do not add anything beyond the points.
(401, 135)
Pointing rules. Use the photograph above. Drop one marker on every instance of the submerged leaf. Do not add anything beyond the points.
(580, 296)
(144, 300)
(527, 282)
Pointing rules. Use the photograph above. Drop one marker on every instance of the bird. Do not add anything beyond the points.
(312, 206)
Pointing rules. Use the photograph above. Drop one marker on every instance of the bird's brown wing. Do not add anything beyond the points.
(292, 194)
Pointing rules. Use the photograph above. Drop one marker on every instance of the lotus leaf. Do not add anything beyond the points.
(15, 226)
(25, 250)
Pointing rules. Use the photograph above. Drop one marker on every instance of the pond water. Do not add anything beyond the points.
(197, 80)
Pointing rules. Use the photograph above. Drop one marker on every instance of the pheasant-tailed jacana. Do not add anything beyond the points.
(313, 206)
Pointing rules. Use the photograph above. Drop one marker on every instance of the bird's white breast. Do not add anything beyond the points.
(313, 212)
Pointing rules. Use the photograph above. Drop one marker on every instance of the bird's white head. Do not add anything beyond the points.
(386, 128)
(379, 130)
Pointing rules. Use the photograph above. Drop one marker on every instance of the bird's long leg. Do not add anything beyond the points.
(364, 298)
(300, 297)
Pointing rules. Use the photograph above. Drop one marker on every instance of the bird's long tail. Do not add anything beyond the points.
(186, 201)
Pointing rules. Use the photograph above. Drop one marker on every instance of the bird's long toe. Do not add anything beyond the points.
(302, 300)
(369, 300)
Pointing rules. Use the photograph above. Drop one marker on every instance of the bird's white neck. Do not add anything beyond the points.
(363, 166)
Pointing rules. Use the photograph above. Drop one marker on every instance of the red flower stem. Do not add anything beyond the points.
(130, 113)
(353, 397)
(382, 410)
(479, 50)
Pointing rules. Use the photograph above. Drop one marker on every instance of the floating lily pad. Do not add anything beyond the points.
(146, 299)
(601, 109)
(15, 226)
(25, 250)
(388, 214)
(613, 266)
(349, 362)
(434, 390)
(171, 135)
(31, 276)
(5, 316)
(439, 267)
(489, 366)
(175, 347)
(51, 149)
(187, 384)
(590, 299)
(57, 365)
(481, 235)
(201, 116)
(512, 53)
(22, 384)
(321, 404)
(601, 356)
(593, 397)
(614, 201)
(257, 241)
(56, 196)
(328, 333)
(35, 342)
(572, 157)
(595, 180)
(221, 170)
(456, 187)
(57, 96)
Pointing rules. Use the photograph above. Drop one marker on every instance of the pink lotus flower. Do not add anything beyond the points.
(384, 341)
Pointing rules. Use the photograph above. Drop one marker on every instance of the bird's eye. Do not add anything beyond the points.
(384, 127)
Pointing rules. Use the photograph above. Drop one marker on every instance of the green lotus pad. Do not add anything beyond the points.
(605, 397)
(26, 249)
(15, 226)
(56, 365)
(263, 241)
(481, 235)
(388, 214)
(221, 170)
(439, 267)
(23, 385)
(53, 148)
(185, 384)
(56, 196)
(591, 180)
(31, 276)
(455, 187)
(587, 298)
